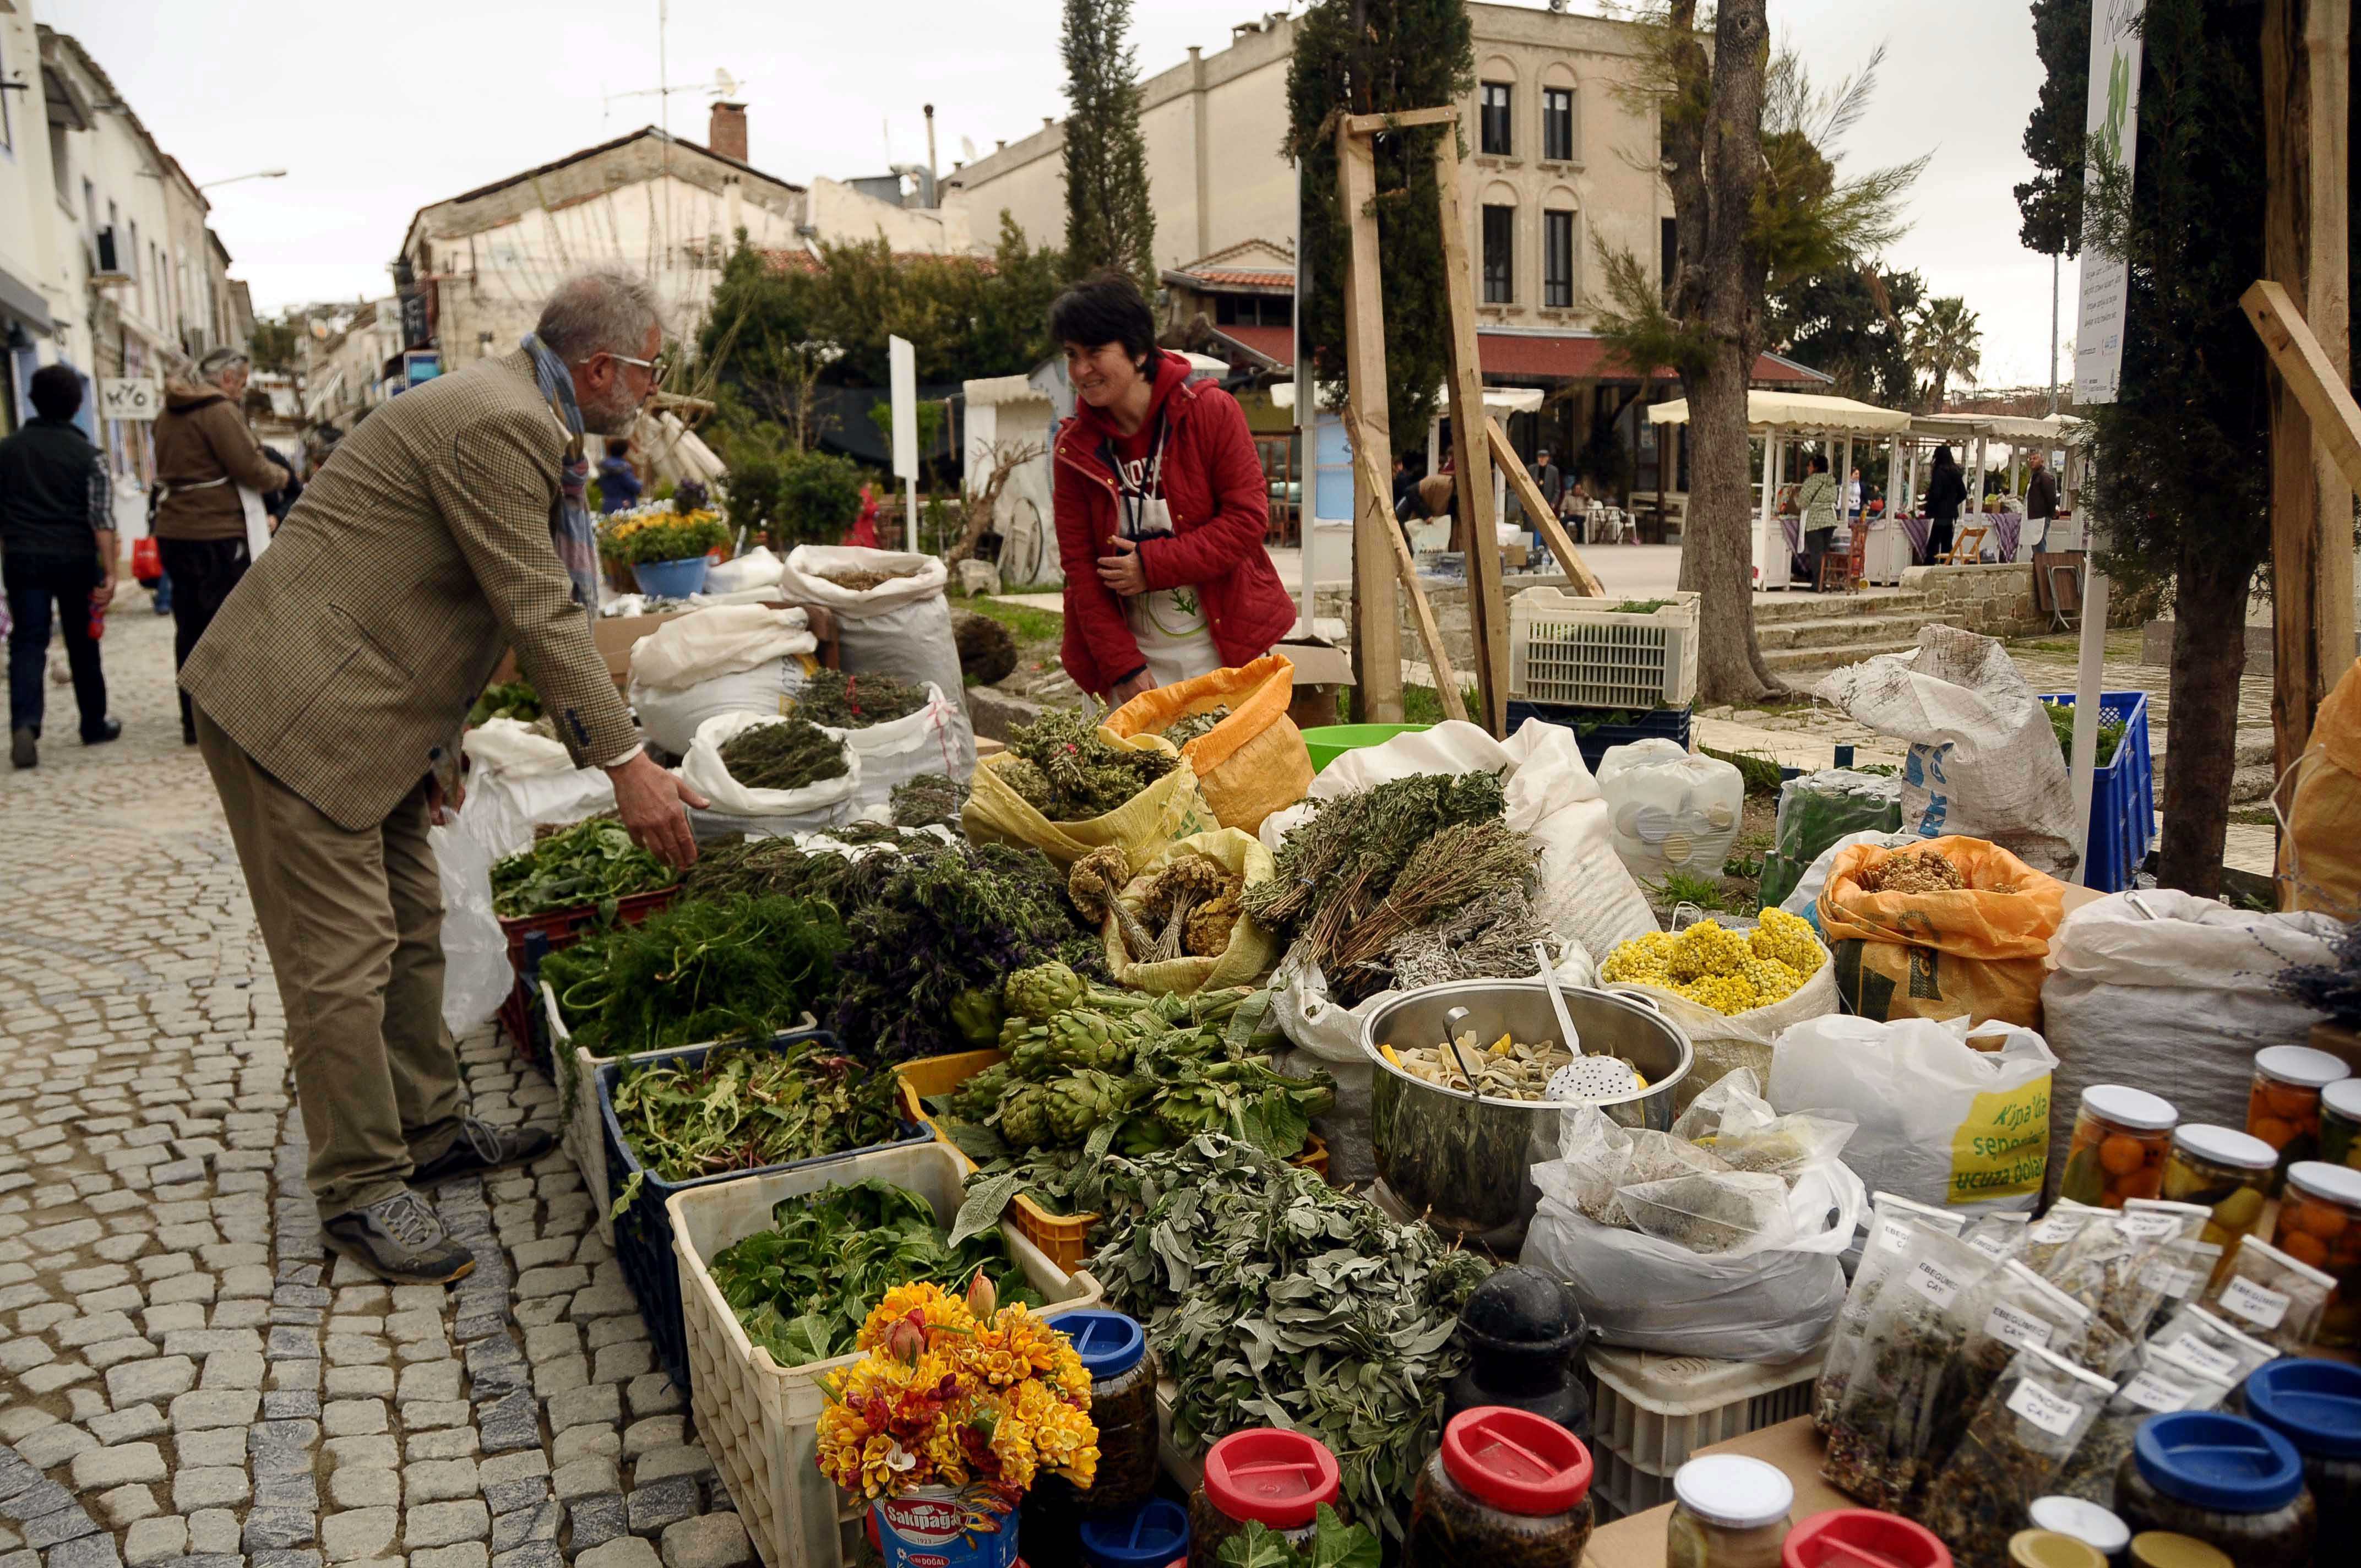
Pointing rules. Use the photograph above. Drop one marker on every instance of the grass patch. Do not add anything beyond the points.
(1025, 624)
(1761, 772)
(1680, 887)
(2255, 817)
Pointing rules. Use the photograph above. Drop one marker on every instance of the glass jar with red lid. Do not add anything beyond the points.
(1846, 1538)
(1508, 1488)
(1261, 1475)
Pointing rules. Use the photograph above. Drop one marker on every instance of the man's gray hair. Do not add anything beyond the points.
(218, 363)
(601, 310)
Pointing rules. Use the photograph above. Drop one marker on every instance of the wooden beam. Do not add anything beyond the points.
(1377, 615)
(1438, 660)
(1471, 454)
(1401, 120)
(2297, 355)
(1561, 544)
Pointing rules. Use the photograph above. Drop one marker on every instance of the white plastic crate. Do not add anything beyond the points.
(1620, 1488)
(1651, 1412)
(1566, 648)
(760, 1420)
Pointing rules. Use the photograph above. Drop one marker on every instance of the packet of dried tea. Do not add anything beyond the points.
(2013, 1307)
(2182, 1279)
(1998, 1236)
(1891, 1227)
(2192, 1216)
(2212, 1346)
(2166, 1379)
(2017, 1442)
(2266, 1293)
(2048, 1236)
(1879, 1438)
(2108, 1267)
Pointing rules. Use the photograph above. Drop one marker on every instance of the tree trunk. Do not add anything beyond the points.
(2209, 655)
(1717, 553)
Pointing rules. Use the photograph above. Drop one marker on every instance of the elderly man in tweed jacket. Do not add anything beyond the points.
(330, 691)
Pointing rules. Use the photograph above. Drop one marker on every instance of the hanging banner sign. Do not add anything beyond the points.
(2111, 139)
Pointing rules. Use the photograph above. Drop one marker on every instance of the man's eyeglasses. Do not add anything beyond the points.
(655, 367)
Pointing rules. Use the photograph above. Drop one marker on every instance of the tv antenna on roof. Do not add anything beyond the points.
(722, 88)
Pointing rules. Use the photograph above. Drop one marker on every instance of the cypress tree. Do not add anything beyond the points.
(1109, 222)
(1370, 57)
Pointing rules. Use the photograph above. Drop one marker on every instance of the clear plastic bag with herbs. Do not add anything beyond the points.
(1891, 1222)
(2048, 1236)
(2012, 1308)
(2266, 1293)
(2118, 1267)
(2212, 1346)
(1885, 1424)
(2018, 1440)
(2183, 1279)
(1998, 1236)
(2164, 1379)
(2191, 1217)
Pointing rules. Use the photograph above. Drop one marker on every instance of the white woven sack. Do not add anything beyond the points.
(514, 749)
(758, 569)
(2173, 994)
(815, 805)
(895, 752)
(723, 640)
(1983, 761)
(900, 627)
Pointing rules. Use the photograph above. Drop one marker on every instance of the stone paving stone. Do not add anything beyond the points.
(598, 1403)
(213, 1532)
(124, 1425)
(122, 1505)
(683, 1459)
(514, 1528)
(442, 1524)
(511, 1422)
(273, 1530)
(713, 1541)
(440, 1480)
(209, 1487)
(628, 1552)
(356, 1487)
(532, 1554)
(156, 1541)
(88, 1551)
(357, 1534)
(659, 1504)
(465, 1554)
(99, 1468)
(597, 1520)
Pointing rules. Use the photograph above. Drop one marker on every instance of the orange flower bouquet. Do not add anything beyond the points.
(950, 1415)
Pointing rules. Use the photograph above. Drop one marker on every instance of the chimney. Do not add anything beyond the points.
(727, 132)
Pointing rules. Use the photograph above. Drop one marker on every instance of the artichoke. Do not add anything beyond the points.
(979, 1097)
(1024, 1115)
(1073, 1105)
(1042, 993)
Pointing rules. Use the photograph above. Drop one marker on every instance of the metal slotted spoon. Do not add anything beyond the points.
(1586, 1078)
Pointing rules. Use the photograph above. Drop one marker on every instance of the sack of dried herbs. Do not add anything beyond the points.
(2164, 1378)
(1891, 1227)
(1064, 788)
(796, 776)
(2016, 1443)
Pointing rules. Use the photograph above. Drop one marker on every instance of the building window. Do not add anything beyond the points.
(1558, 260)
(1493, 127)
(1253, 309)
(1499, 255)
(1557, 122)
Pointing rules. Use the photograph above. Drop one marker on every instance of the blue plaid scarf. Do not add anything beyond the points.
(569, 520)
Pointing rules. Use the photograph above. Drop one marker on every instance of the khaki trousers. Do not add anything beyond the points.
(352, 922)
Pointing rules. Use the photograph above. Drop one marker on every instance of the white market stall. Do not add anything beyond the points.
(1781, 419)
(2062, 438)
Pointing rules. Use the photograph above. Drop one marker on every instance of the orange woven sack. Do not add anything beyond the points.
(1977, 951)
(2320, 854)
(1251, 764)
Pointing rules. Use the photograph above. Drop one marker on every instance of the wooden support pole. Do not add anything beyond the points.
(1408, 119)
(1377, 626)
(1438, 659)
(1578, 572)
(2298, 357)
(1487, 610)
(2305, 47)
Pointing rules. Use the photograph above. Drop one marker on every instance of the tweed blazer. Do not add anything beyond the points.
(346, 660)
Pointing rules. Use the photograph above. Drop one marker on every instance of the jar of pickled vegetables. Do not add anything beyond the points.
(1114, 1350)
(2122, 1137)
(2283, 1105)
(1506, 1488)
(2319, 1223)
(1261, 1475)
(2227, 1171)
(2340, 1122)
(2316, 1404)
(1729, 1511)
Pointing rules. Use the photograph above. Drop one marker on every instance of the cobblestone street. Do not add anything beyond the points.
(185, 1377)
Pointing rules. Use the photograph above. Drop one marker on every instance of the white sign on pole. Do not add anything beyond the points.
(902, 361)
(2111, 139)
(128, 399)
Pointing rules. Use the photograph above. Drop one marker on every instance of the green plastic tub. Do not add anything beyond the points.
(1332, 741)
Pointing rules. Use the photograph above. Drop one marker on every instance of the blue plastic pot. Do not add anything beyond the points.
(672, 579)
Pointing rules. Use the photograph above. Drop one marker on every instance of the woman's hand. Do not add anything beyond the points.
(1126, 690)
(1123, 572)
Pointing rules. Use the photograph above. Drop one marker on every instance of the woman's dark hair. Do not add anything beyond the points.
(1106, 308)
(55, 391)
(1943, 458)
(1819, 461)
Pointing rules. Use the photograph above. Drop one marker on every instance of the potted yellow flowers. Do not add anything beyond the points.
(949, 1418)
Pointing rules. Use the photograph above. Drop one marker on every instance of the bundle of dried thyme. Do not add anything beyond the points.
(794, 753)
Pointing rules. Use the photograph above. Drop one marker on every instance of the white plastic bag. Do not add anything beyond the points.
(895, 752)
(1983, 761)
(758, 569)
(1671, 810)
(476, 974)
(900, 627)
(726, 659)
(1939, 1121)
(513, 750)
(822, 805)
(1584, 892)
(2173, 992)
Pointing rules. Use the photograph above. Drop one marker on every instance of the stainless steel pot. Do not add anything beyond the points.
(1462, 1161)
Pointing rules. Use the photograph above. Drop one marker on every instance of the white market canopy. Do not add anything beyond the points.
(993, 392)
(1802, 413)
(1496, 400)
(2056, 430)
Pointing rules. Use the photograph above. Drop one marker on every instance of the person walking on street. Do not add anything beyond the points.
(205, 459)
(1817, 499)
(57, 547)
(2040, 497)
(1947, 492)
(619, 482)
(329, 694)
(1161, 506)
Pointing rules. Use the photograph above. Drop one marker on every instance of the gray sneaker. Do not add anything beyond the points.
(480, 1147)
(399, 1239)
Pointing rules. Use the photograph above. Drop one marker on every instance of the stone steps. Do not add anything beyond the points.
(1829, 656)
(1838, 633)
(1795, 606)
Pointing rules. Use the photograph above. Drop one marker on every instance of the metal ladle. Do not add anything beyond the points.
(1585, 1077)
(1453, 1022)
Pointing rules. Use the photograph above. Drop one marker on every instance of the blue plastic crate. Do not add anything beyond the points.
(2122, 795)
(1658, 724)
(643, 1233)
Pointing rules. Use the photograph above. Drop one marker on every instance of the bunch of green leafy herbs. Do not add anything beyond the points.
(1183, 731)
(929, 800)
(507, 699)
(1272, 1298)
(748, 1107)
(844, 701)
(1334, 1544)
(792, 754)
(803, 1289)
(705, 968)
(1064, 769)
(592, 864)
(777, 867)
(2061, 724)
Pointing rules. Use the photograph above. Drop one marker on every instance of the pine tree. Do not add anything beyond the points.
(1369, 56)
(1109, 222)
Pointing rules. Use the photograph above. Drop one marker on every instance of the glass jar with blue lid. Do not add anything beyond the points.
(2225, 1480)
(1114, 1349)
(1152, 1535)
(2316, 1406)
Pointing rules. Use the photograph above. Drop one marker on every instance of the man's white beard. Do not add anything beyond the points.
(614, 416)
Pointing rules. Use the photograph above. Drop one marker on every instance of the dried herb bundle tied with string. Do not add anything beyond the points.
(926, 801)
(1064, 769)
(794, 753)
(844, 701)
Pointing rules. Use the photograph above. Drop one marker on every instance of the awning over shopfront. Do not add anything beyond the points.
(1801, 411)
(21, 302)
(1557, 357)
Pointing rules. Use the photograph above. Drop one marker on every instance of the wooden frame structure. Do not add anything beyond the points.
(1476, 441)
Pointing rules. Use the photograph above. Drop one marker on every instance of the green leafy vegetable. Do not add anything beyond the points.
(507, 699)
(590, 865)
(929, 799)
(1334, 1544)
(2061, 722)
(1067, 771)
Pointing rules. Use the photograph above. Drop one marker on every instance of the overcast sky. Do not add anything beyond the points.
(376, 113)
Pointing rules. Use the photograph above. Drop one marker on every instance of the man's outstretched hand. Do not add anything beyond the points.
(649, 800)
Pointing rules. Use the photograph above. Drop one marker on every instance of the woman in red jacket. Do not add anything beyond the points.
(1160, 505)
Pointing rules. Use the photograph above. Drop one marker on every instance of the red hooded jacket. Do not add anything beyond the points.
(1220, 504)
